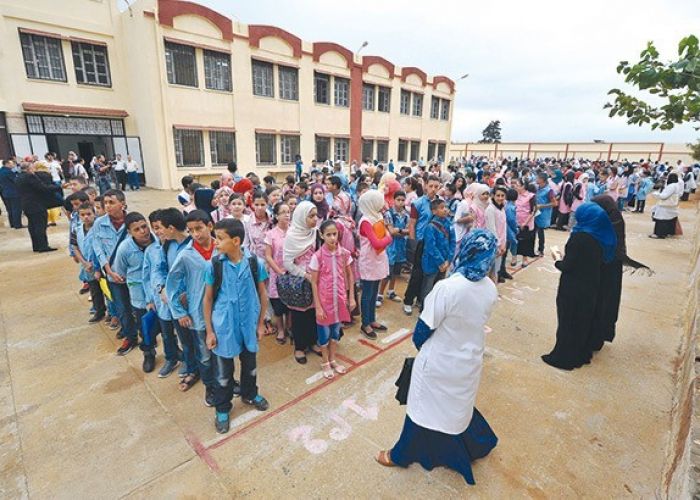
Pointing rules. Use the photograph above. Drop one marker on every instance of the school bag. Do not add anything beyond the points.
(577, 192)
(568, 194)
(218, 265)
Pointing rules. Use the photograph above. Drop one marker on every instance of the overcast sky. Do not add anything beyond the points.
(542, 67)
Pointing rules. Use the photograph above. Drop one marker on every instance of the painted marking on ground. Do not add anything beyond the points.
(397, 334)
(371, 413)
(314, 378)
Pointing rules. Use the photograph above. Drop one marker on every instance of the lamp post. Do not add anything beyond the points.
(364, 44)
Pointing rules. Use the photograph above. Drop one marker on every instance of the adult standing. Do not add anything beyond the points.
(592, 243)
(546, 201)
(102, 171)
(442, 426)
(38, 193)
(120, 172)
(132, 173)
(10, 194)
(665, 212)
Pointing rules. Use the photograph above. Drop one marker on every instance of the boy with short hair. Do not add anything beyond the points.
(438, 247)
(396, 220)
(235, 302)
(86, 256)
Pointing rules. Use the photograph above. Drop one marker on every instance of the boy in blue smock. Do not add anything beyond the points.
(88, 264)
(438, 247)
(645, 187)
(235, 302)
(396, 220)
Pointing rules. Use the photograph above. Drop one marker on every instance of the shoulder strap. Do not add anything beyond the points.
(166, 246)
(218, 274)
(440, 227)
(253, 264)
(119, 241)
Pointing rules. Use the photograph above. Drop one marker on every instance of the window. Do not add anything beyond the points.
(217, 70)
(367, 149)
(417, 105)
(342, 147)
(342, 91)
(431, 151)
(441, 151)
(222, 146)
(262, 79)
(445, 111)
(91, 64)
(403, 146)
(43, 57)
(367, 97)
(405, 102)
(322, 85)
(180, 64)
(289, 83)
(415, 150)
(382, 151)
(289, 148)
(117, 127)
(189, 148)
(323, 146)
(265, 149)
(34, 124)
(383, 100)
(435, 107)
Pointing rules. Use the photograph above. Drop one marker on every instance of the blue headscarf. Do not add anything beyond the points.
(558, 176)
(592, 219)
(477, 251)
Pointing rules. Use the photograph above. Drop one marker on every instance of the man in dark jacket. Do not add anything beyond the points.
(37, 193)
(10, 195)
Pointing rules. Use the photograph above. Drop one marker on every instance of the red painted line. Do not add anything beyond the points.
(371, 345)
(345, 359)
(202, 451)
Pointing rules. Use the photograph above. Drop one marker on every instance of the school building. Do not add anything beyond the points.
(185, 90)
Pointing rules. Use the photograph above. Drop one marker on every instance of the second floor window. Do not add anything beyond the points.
(417, 105)
(181, 64)
(91, 64)
(322, 85)
(368, 97)
(289, 83)
(405, 102)
(43, 57)
(384, 99)
(342, 91)
(445, 110)
(435, 107)
(263, 79)
(217, 70)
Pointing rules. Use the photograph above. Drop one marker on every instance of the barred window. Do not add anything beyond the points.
(117, 127)
(383, 151)
(265, 149)
(435, 107)
(417, 105)
(34, 124)
(263, 83)
(323, 146)
(441, 151)
(384, 99)
(368, 97)
(342, 149)
(180, 64)
(222, 146)
(91, 64)
(289, 148)
(322, 85)
(289, 83)
(367, 149)
(405, 107)
(445, 111)
(342, 91)
(217, 70)
(189, 148)
(403, 146)
(431, 150)
(43, 57)
(415, 150)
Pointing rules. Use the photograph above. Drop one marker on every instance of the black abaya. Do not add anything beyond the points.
(608, 305)
(576, 302)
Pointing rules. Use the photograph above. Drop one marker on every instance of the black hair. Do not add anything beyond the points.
(268, 179)
(86, 206)
(232, 227)
(289, 195)
(435, 204)
(80, 196)
(272, 189)
(511, 194)
(80, 179)
(195, 186)
(502, 189)
(326, 223)
(258, 195)
(433, 178)
(198, 216)
(289, 179)
(236, 196)
(303, 185)
(132, 217)
(399, 193)
(154, 216)
(172, 217)
(470, 175)
(543, 176)
(672, 178)
(451, 188)
(335, 180)
(362, 186)
(98, 199)
(215, 184)
(118, 194)
(232, 167)
(89, 190)
(186, 181)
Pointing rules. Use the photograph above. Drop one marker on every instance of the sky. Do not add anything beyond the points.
(541, 67)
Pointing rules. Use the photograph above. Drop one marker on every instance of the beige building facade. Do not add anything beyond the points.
(185, 90)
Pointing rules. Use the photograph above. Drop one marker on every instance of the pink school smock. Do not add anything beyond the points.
(275, 240)
(373, 265)
(523, 210)
(332, 288)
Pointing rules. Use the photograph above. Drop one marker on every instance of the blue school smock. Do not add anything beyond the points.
(511, 227)
(542, 197)
(422, 206)
(73, 223)
(85, 246)
(154, 279)
(129, 263)
(437, 248)
(187, 276)
(645, 186)
(235, 313)
(105, 239)
(396, 251)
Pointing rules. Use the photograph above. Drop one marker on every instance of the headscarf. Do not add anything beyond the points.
(385, 180)
(299, 236)
(391, 188)
(321, 206)
(371, 203)
(476, 254)
(203, 198)
(592, 219)
(618, 223)
(477, 190)
(558, 176)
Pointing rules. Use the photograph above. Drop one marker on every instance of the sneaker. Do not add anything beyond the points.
(236, 389)
(85, 289)
(149, 362)
(392, 296)
(96, 318)
(208, 398)
(120, 335)
(182, 372)
(108, 319)
(380, 298)
(126, 346)
(113, 323)
(222, 422)
(378, 304)
(168, 368)
(408, 310)
(258, 401)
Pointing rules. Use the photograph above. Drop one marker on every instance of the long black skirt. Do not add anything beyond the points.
(526, 242)
(663, 228)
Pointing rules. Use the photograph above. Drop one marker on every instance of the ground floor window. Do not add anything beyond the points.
(289, 148)
(323, 145)
(367, 149)
(415, 150)
(403, 147)
(222, 146)
(189, 148)
(383, 151)
(431, 150)
(265, 149)
(441, 151)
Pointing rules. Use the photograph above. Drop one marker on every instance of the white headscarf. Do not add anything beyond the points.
(299, 236)
(371, 203)
(477, 190)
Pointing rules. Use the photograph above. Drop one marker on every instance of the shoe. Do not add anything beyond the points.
(371, 334)
(236, 389)
(507, 275)
(222, 423)
(47, 249)
(113, 323)
(85, 289)
(126, 346)
(96, 318)
(119, 335)
(392, 296)
(149, 362)
(208, 398)
(182, 372)
(168, 368)
(258, 401)
(501, 279)
(408, 310)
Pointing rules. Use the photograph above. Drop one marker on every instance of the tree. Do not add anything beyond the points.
(676, 83)
(695, 150)
(492, 132)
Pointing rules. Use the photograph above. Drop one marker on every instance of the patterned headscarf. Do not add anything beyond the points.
(477, 251)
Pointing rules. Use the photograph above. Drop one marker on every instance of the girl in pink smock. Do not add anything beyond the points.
(274, 257)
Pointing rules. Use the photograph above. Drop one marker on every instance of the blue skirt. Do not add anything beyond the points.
(437, 449)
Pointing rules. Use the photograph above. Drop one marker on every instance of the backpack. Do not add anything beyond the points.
(577, 192)
(218, 264)
(568, 194)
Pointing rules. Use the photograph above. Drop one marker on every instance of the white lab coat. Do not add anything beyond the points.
(666, 207)
(447, 370)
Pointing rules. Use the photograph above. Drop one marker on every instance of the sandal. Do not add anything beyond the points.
(327, 371)
(281, 340)
(340, 369)
(187, 382)
(384, 458)
(270, 329)
(379, 327)
(300, 359)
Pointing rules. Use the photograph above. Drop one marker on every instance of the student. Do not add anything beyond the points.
(439, 241)
(274, 256)
(153, 284)
(511, 232)
(396, 219)
(274, 195)
(86, 256)
(184, 196)
(128, 263)
(258, 225)
(221, 202)
(234, 311)
(496, 223)
(546, 201)
(186, 277)
(331, 282)
(341, 204)
(645, 187)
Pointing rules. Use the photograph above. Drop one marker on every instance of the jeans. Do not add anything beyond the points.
(98, 298)
(640, 205)
(146, 343)
(621, 203)
(103, 184)
(133, 180)
(414, 283)
(540, 239)
(187, 343)
(36, 225)
(204, 357)
(169, 340)
(125, 314)
(222, 389)
(14, 211)
(368, 302)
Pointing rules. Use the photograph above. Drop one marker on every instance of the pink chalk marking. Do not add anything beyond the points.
(345, 359)
(303, 432)
(341, 432)
(371, 413)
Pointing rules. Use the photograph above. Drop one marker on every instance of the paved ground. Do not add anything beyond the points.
(76, 421)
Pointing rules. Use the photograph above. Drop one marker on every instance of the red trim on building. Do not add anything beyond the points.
(203, 127)
(356, 112)
(443, 79)
(321, 48)
(35, 107)
(40, 33)
(256, 32)
(148, 13)
(170, 9)
(195, 44)
(368, 61)
(414, 71)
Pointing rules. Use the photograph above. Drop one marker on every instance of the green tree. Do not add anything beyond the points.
(695, 150)
(675, 83)
(492, 132)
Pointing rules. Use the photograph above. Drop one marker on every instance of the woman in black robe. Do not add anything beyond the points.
(591, 244)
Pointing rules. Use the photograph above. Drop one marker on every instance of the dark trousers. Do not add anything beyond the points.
(415, 282)
(186, 337)
(368, 301)
(640, 205)
(36, 224)
(14, 211)
(304, 329)
(222, 389)
(121, 179)
(98, 298)
(562, 221)
(125, 313)
(147, 344)
(428, 284)
(167, 331)
(540, 239)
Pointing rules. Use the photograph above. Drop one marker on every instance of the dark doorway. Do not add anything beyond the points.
(5, 148)
(86, 150)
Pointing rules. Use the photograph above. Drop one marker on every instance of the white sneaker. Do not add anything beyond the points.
(407, 309)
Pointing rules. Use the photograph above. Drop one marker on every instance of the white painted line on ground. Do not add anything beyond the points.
(245, 418)
(397, 334)
(315, 377)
